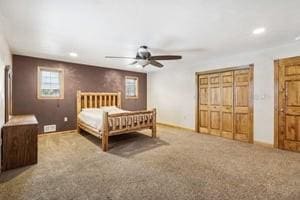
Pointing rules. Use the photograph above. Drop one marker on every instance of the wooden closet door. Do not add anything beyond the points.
(214, 104)
(243, 105)
(227, 104)
(203, 104)
(289, 104)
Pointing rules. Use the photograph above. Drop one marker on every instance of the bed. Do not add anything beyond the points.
(100, 114)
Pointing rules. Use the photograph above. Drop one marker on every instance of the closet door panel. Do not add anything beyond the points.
(204, 121)
(203, 94)
(242, 115)
(203, 104)
(227, 94)
(227, 122)
(227, 104)
(215, 97)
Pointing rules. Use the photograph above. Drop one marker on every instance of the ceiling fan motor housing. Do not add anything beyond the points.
(143, 53)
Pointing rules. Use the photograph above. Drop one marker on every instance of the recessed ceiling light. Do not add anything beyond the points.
(73, 54)
(297, 38)
(259, 31)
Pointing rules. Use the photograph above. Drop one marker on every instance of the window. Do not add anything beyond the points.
(50, 83)
(131, 87)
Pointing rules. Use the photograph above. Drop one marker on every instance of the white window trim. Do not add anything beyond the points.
(137, 87)
(61, 78)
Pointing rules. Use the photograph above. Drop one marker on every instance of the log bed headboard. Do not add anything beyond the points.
(97, 100)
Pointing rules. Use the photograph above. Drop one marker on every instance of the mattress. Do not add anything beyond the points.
(93, 116)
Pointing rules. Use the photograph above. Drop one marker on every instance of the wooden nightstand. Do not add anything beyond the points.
(19, 137)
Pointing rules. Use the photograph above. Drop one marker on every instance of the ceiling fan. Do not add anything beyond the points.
(144, 58)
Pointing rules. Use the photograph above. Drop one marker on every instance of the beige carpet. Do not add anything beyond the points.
(178, 165)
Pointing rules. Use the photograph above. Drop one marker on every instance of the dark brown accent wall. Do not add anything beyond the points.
(77, 77)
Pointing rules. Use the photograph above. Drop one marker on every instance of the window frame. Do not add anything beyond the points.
(137, 87)
(39, 80)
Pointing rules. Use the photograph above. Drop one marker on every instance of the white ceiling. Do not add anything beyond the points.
(197, 29)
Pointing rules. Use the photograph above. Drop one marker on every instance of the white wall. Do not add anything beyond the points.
(5, 59)
(172, 89)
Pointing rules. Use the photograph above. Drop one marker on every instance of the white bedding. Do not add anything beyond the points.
(93, 116)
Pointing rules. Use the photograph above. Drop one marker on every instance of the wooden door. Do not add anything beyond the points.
(289, 104)
(203, 104)
(227, 104)
(243, 105)
(214, 104)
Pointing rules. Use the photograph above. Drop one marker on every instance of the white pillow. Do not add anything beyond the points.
(108, 108)
(91, 109)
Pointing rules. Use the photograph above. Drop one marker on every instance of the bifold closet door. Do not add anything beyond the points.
(225, 104)
(216, 104)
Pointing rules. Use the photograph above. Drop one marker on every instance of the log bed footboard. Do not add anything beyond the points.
(115, 124)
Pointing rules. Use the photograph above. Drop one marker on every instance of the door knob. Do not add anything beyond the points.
(281, 110)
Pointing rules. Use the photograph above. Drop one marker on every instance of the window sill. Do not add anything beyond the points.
(49, 98)
(131, 97)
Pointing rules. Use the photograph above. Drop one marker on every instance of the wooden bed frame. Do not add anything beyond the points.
(113, 124)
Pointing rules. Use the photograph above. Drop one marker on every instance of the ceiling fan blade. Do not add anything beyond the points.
(133, 63)
(166, 57)
(156, 64)
(120, 57)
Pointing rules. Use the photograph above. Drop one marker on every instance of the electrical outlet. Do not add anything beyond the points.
(49, 128)
(65, 119)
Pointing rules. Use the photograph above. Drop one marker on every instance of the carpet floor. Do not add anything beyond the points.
(179, 164)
